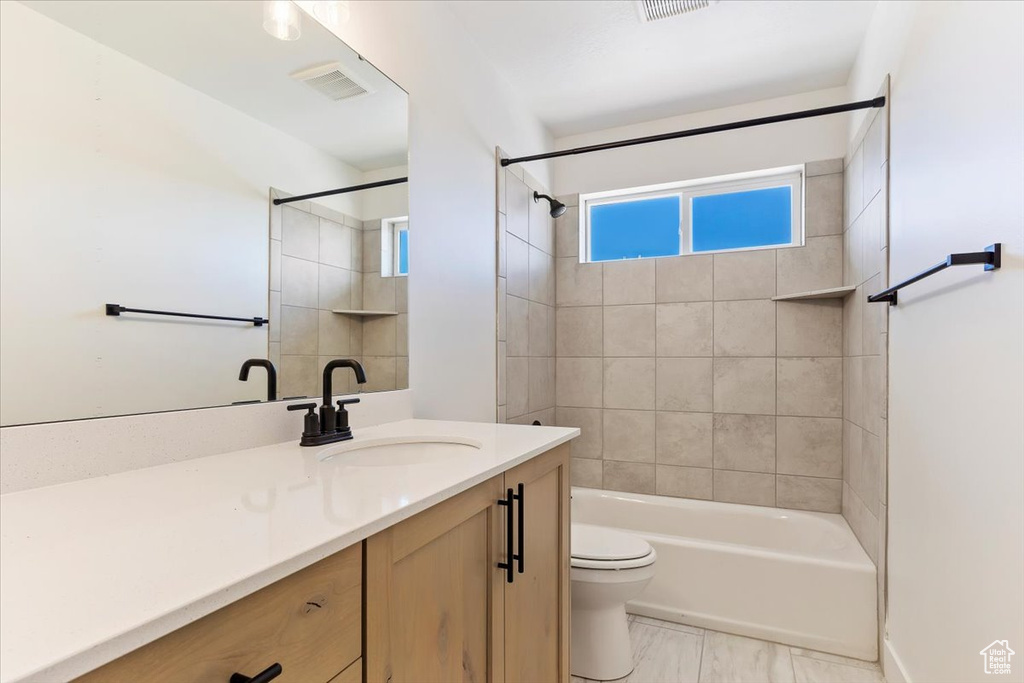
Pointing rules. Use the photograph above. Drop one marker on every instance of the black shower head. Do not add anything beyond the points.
(557, 207)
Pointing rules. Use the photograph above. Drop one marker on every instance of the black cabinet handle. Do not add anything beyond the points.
(507, 502)
(522, 525)
(268, 674)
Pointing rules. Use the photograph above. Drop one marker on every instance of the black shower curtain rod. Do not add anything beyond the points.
(735, 125)
(342, 190)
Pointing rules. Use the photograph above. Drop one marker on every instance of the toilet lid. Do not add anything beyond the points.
(601, 543)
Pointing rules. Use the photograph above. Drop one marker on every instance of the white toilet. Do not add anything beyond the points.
(609, 568)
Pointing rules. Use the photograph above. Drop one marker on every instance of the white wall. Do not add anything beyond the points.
(749, 149)
(385, 202)
(460, 109)
(956, 341)
(122, 185)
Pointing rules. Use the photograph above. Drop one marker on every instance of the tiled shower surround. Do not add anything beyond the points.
(687, 379)
(526, 302)
(322, 260)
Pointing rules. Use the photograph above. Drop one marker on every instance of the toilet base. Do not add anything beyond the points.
(601, 650)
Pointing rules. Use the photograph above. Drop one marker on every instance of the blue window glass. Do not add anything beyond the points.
(634, 229)
(753, 218)
(403, 252)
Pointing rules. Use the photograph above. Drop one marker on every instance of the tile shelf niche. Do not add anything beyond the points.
(832, 293)
(348, 311)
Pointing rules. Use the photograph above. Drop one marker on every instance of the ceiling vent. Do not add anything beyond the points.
(331, 82)
(653, 10)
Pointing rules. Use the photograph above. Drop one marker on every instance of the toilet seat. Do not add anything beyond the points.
(601, 548)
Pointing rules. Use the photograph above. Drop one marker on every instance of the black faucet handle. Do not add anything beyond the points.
(346, 402)
(311, 423)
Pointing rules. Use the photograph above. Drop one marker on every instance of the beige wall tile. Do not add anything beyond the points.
(816, 265)
(517, 386)
(864, 524)
(371, 253)
(502, 247)
(518, 326)
(750, 488)
(333, 334)
(810, 328)
(502, 309)
(275, 265)
(380, 336)
(402, 294)
(542, 277)
(629, 383)
(517, 207)
(874, 383)
(823, 205)
(299, 282)
(334, 288)
(590, 443)
(567, 233)
(402, 372)
(541, 384)
(629, 282)
(684, 439)
(357, 249)
(542, 336)
(684, 384)
(586, 473)
(744, 385)
(577, 284)
(853, 389)
(518, 267)
(685, 329)
(335, 244)
(810, 446)
(629, 435)
(854, 184)
(853, 318)
(811, 387)
(866, 476)
(275, 317)
(684, 278)
(580, 331)
(630, 477)
(683, 482)
(378, 292)
(853, 445)
(298, 331)
(745, 275)
(745, 328)
(579, 382)
(629, 330)
(875, 320)
(300, 236)
(823, 167)
(274, 355)
(299, 376)
(745, 442)
(809, 493)
(381, 373)
(357, 291)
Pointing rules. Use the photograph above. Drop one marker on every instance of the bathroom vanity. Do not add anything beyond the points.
(393, 557)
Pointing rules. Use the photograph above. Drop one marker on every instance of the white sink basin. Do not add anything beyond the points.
(400, 451)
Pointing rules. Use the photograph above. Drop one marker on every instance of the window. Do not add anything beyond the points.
(394, 247)
(747, 211)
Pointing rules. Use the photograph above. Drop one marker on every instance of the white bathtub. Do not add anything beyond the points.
(793, 577)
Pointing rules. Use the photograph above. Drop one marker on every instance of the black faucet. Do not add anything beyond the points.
(332, 425)
(243, 375)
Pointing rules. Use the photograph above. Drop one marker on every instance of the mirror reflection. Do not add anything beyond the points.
(144, 265)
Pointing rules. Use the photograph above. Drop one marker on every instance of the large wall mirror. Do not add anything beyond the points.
(142, 144)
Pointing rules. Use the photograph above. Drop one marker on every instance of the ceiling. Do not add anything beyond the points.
(219, 47)
(586, 65)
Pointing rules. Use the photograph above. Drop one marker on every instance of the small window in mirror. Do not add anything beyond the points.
(394, 247)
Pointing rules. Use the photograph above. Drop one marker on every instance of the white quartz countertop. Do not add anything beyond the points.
(92, 569)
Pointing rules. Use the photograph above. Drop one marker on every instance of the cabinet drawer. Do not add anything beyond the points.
(309, 622)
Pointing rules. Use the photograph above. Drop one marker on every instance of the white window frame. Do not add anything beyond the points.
(788, 176)
(389, 245)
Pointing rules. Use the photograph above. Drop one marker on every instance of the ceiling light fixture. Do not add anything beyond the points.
(281, 19)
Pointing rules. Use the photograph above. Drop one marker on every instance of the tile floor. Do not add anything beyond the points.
(673, 653)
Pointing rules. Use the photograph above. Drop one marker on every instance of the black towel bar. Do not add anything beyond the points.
(117, 309)
(991, 258)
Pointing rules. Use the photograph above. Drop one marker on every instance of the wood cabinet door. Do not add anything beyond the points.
(537, 601)
(434, 609)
